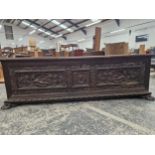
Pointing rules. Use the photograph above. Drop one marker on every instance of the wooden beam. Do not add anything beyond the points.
(96, 39)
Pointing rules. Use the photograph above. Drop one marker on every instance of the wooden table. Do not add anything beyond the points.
(34, 80)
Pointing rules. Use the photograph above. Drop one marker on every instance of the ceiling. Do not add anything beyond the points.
(54, 28)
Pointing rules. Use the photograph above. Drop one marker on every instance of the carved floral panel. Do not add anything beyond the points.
(127, 77)
(81, 78)
(41, 80)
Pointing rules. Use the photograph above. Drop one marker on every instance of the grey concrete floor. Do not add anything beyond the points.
(104, 117)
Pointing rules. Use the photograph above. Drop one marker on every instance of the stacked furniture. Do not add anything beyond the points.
(120, 48)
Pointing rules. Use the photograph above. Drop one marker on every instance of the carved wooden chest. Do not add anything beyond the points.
(35, 80)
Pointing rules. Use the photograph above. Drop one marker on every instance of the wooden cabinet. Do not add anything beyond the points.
(1, 74)
(142, 49)
(117, 49)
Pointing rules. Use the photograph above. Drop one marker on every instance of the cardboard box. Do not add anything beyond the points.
(66, 54)
(142, 49)
(117, 49)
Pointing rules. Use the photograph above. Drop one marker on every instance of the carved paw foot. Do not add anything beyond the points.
(149, 97)
(6, 106)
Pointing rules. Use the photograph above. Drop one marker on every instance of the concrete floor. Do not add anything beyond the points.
(104, 117)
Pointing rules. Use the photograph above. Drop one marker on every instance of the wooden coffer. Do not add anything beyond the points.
(60, 79)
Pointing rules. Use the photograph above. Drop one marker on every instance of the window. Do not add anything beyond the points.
(8, 32)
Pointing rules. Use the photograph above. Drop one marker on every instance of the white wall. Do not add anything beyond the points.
(147, 27)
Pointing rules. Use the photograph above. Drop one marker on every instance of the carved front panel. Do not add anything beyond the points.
(120, 78)
(80, 78)
(41, 80)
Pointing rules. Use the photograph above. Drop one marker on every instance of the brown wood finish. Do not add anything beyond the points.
(120, 48)
(97, 38)
(36, 80)
(142, 49)
(1, 74)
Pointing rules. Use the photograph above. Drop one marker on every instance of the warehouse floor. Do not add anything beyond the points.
(117, 116)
